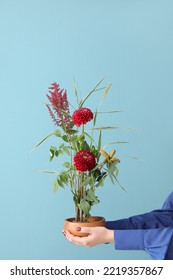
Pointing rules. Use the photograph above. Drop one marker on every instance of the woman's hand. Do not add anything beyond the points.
(97, 235)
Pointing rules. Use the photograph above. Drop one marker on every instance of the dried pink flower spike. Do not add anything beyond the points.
(59, 102)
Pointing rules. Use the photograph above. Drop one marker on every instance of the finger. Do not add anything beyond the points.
(88, 230)
(63, 232)
(75, 239)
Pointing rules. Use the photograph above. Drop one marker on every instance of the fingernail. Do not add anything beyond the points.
(78, 228)
(63, 232)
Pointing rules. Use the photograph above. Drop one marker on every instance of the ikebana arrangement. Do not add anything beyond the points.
(88, 163)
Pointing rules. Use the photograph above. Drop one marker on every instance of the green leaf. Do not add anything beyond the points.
(61, 146)
(65, 138)
(56, 153)
(95, 173)
(84, 146)
(67, 150)
(100, 182)
(75, 199)
(85, 207)
(76, 145)
(67, 164)
(55, 185)
(60, 183)
(64, 177)
(91, 197)
(81, 138)
(98, 175)
(57, 133)
(72, 131)
(112, 168)
(60, 151)
(53, 148)
(51, 156)
(53, 151)
(87, 180)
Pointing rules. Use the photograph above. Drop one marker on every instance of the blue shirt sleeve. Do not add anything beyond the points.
(168, 204)
(154, 241)
(152, 232)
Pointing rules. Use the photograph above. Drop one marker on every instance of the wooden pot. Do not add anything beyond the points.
(93, 221)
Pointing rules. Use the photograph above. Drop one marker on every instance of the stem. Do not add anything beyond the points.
(77, 215)
(77, 218)
(80, 190)
(80, 187)
(81, 212)
(82, 129)
(73, 182)
(81, 194)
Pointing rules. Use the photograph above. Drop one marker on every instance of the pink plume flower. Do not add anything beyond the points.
(58, 100)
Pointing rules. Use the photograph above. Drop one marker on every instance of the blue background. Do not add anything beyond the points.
(129, 43)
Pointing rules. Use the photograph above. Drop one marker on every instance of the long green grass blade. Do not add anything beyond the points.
(44, 139)
(47, 171)
(99, 141)
(114, 143)
(134, 157)
(62, 111)
(119, 183)
(110, 112)
(75, 91)
(89, 136)
(88, 95)
(95, 118)
(106, 90)
(111, 127)
(104, 94)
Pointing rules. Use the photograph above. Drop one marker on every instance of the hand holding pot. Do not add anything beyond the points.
(96, 235)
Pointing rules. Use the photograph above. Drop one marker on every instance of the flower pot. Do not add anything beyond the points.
(93, 221)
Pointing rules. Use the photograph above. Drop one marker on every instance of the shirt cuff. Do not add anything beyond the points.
(128, 239)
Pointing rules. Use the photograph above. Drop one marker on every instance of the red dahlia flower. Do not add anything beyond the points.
(82, 116)
(84, 160)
